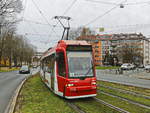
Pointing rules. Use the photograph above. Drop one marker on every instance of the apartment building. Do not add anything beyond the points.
(136, 41)
(110, 44)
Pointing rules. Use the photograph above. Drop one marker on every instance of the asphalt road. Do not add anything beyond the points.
(123, 79)
(9, 82)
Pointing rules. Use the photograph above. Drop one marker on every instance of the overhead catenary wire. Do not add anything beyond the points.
(100, 16)
(23, 12)
(40, 23)
(23, 19)
(71, 5)
(132, 28)
(113, 3)
(137, 3)
(101, 2)
(45, 42)
(36, 22)
(53, 26)
(66, 11)
(37, 34)
(123, 26)
(29, 23)
(69, 8)
(42, 14)
(34, 30)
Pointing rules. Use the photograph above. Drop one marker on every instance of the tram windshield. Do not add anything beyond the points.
(80, 64)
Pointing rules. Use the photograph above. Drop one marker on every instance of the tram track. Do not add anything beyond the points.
(72, 104)
(110, 105)
(125, 99)
(78, 109)
(125, 91)
(75, 107)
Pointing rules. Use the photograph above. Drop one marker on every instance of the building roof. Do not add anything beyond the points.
(121, 36)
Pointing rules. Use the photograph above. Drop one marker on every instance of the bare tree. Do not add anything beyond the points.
(8, 11)
(130, 53)
(10, 7)
(16, 49)
(87, 31)
(76, 32)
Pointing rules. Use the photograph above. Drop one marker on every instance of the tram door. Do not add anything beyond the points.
(61, 69)
(52, 74)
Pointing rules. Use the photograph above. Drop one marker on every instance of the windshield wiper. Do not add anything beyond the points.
(88, 71)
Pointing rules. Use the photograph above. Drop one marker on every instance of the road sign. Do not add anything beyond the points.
(101, 29)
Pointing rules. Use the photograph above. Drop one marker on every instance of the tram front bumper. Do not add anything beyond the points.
(80, 91)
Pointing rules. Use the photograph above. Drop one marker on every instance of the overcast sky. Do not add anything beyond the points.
(134, 17)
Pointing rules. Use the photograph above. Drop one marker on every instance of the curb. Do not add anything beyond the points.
(12, 103)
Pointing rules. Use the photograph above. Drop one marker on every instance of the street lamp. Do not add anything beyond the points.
(121, 6)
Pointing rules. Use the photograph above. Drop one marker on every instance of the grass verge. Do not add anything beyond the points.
(111, 67)
(36, 98)
(127, 96)
(123, 104)
(91, 106)
(6, 69)
(143, 91)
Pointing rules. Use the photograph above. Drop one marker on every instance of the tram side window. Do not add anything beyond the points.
(61, 64)
(50, 64)
(45, 66)
(42, 65)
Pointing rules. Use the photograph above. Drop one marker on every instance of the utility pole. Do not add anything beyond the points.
(0, 43)
(66, 28)
(0, 48)
(0, 29)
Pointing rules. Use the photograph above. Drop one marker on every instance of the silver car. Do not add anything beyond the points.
(24, 69)
(147, 68)
(127, 66)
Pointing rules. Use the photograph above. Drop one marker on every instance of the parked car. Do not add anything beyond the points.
(24, 69)
(140, 66)
(127, 66)
(147, 67)
(34, 66)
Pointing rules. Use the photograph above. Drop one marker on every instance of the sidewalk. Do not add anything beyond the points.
(141, 75)
(139, 79)
(137, 73)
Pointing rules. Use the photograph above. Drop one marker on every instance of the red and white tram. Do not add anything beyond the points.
(68, 69)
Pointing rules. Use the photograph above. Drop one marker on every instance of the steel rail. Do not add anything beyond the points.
(126, 91)
(111, 106)
(127, 100)
(75, 107)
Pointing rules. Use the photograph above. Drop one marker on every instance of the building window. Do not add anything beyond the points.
(96, 46)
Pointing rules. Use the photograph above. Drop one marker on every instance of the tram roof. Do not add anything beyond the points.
(74, 42)
(66, 42)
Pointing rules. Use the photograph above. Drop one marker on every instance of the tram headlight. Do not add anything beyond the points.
(93, 83)
(70, 85)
